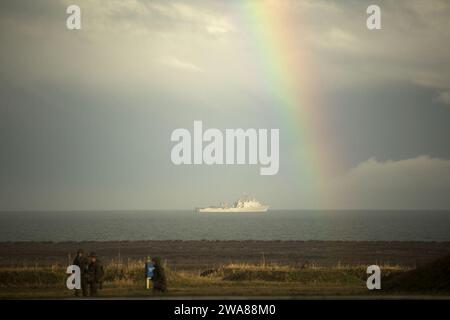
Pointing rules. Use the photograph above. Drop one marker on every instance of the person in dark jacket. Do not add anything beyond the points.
(159, 276)
(95, 274)
(82, 262)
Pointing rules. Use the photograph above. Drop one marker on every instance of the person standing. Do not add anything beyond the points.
(159, 276)
(95, 274)
(82, 262)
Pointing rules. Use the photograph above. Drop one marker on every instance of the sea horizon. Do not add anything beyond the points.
(326, 225)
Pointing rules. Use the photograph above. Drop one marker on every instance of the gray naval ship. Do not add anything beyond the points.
(242, 205)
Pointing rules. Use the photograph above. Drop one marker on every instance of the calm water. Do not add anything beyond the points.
(188, 225)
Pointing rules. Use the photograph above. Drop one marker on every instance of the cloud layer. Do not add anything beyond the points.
(86, 115)
(417, 183)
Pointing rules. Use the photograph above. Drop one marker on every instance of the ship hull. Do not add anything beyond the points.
(232, 210)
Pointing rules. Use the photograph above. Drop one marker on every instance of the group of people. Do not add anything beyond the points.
(92, 274)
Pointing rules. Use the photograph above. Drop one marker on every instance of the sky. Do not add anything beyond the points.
(87, 115)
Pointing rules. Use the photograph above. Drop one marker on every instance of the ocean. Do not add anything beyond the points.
(358, 225)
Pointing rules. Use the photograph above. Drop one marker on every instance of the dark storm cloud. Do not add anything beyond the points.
(87, 115)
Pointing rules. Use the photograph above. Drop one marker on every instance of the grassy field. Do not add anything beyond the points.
(126, 280)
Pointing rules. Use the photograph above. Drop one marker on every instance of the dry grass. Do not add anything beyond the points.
(127, 279)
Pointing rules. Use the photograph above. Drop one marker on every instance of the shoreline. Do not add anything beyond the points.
(206, 254)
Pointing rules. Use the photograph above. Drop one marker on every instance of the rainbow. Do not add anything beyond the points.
(290, 75)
